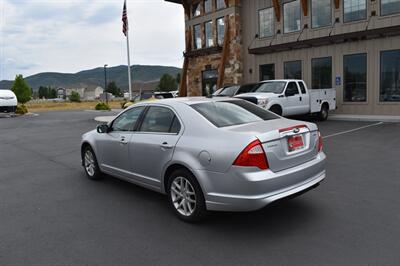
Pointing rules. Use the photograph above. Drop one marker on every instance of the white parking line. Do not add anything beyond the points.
(352, 130)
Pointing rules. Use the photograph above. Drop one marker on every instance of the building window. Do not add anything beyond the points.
(209, 81)
(197, 36)
(389, 7)
(291, 16)
(220, 31)
(207, 6)
(321, 69)
(267, 72)
(266, 22)
(196, 10)
(321, 11)
(209, 34)
(355, 78)
(354, 10)
(390, 76)
(292, 70)
(220, 4)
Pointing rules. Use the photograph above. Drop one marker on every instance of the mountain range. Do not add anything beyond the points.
(141, 74)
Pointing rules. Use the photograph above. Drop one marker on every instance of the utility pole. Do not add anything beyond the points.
(105, 82)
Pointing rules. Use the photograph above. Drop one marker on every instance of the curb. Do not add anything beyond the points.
(104, 119)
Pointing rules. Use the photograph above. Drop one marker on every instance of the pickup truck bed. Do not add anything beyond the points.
(320, 96)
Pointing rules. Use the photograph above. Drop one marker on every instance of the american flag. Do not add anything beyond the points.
(125, 26)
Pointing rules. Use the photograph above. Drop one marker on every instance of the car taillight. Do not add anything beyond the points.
(320, 142)
(252, 155)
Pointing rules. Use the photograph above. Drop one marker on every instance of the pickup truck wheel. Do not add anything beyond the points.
(324, 113)
(276, 109)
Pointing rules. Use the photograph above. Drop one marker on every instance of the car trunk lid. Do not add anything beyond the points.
(286, 143)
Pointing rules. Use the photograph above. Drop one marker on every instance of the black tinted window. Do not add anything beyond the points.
(157, 119)
(292, 89)
(229, 113)
(176, 126)
(302, 87)
(247, 88)
(127, 120)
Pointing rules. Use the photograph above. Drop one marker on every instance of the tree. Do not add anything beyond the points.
(21, 89)
(52, 93)
(43, 93)
(114, 90)
(167, 83)
(178, 78)
(74, 97)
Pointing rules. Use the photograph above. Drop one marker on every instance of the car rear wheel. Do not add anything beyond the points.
(186, 197)
(90, 164)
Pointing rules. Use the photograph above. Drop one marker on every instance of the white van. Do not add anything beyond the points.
(8, 101)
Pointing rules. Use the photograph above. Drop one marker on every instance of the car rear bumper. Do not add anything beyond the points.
(247, 189)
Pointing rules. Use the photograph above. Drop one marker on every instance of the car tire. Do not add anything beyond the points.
(185, 196)
(90, 164)
(324, 113)
(276, 109)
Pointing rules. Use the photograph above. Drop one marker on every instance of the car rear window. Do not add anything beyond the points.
(230, 113)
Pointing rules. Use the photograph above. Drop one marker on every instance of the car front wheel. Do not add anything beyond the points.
(90, 165)
(186, 197)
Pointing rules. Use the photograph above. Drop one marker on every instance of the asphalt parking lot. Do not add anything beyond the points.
(50, 214)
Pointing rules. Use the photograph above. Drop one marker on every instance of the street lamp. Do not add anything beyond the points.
(105, 82)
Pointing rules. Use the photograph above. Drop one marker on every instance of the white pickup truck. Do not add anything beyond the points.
(8, 101)
(289, 97)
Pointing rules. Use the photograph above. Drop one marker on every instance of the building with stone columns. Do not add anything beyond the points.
(350, 45)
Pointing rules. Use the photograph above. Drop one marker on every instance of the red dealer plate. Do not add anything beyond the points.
(295, 142)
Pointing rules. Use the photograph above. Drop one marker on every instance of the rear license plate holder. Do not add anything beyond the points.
(295, 143)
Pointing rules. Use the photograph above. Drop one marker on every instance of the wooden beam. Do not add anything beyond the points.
(225, 53)
(277, 9)
(183, 83)
(337, 4)
(227, 3)
(304, 5)
(186, 7)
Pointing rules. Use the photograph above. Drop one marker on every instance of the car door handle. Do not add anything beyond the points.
(165, 145)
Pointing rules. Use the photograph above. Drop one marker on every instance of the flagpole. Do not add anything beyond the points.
(129, 65)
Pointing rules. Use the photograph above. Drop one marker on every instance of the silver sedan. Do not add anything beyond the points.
(207, 154)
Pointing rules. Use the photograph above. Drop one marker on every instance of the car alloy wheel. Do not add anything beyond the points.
(90, 164)
(183, 196)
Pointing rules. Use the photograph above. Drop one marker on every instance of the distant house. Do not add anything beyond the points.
(61, 93)
(87, 94)
(91, 94)
(80, 91)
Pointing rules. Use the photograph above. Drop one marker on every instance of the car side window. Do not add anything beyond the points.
(292, 89)
(302, 87)
(127, 120)
(160, 120)
(176, 126)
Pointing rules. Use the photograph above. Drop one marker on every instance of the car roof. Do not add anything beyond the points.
(188, 100)
(284, 80)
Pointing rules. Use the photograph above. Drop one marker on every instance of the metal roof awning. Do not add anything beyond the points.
(326, 40)
(175, 1)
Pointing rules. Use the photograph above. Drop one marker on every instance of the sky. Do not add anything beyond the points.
(72, 35)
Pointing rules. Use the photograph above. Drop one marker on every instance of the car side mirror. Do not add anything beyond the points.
(103, 129)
